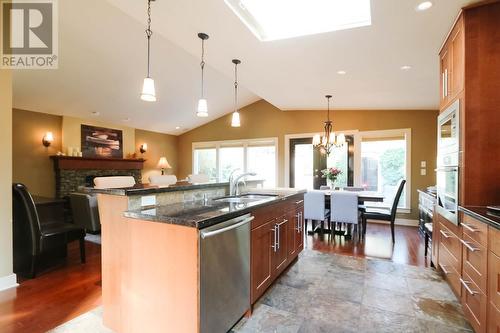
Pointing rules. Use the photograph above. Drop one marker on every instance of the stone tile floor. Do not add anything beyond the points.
(335, 293)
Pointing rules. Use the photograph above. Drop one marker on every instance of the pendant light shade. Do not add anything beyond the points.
(148, 90)
(148, 87)
(202, 110)
(235, 120)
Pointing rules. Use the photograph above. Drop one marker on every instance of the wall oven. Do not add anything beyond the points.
(447, 172)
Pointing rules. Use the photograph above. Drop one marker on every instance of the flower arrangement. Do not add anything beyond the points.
(331, 174)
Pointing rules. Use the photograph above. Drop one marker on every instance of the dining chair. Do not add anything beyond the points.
(162, 180)
(344, 209)
(324, 188)
(314, 208)
(114, 182)
(385, 213)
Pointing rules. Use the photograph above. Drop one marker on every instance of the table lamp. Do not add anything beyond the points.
(163, 164)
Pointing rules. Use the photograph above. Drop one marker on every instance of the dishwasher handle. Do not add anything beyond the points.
(207, 234)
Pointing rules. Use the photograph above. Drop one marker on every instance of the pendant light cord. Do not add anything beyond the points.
(202, 65)
(235, 87)
(149, 33)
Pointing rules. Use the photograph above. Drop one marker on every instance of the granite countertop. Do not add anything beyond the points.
(146, 189)
(201, 214)
(481, 213)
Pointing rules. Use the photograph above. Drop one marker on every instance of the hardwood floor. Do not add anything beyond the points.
(68, 291)
(55, 296)
(408, 248)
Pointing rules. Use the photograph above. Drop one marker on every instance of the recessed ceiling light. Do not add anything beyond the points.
(177, 127)
(405, 67)
(126, 119)
(342, 72)
(95, 113)
(424, 5)
(280, 19)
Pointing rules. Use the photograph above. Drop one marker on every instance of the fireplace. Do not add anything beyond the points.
(73, 172)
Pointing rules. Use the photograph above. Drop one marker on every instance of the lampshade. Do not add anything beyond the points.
(235, 121)
(202, 108)
(316, 140)
(341, 139)
(163, 163)
(49, 136)
(148, 90)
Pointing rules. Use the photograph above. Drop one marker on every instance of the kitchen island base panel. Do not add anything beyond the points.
(149, 272)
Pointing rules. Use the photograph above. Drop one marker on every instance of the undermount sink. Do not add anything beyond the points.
(245, 198)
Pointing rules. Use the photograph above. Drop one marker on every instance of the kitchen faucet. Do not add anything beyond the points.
(234, 181)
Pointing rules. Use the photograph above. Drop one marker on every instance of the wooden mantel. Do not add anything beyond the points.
(80, 163)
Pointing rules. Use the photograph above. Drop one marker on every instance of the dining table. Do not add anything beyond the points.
(363, 197)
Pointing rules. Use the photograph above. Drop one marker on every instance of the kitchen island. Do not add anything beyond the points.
(154, 272)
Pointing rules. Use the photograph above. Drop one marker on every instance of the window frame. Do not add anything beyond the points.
(245, 143)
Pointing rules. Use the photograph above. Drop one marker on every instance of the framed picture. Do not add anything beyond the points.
(101, 142)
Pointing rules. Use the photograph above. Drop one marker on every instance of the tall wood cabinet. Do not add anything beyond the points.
(470, 72)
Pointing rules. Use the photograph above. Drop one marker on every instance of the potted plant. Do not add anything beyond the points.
(331, 175)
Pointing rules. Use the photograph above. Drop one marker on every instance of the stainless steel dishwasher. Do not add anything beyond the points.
(224, 274)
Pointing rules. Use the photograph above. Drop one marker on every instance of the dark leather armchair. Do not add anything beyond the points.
(85, 212)
(384, 214)
(32, 237)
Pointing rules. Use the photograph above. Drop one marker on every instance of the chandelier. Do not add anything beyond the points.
(329, 140)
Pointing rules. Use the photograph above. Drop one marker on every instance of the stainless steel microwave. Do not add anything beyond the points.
(449, 130)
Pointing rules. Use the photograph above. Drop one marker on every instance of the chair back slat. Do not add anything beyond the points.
(397, 196)
(26, 223)
(314, 205)
(344, 207)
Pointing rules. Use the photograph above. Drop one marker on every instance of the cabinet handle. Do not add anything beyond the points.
(446, 82)
(301, 223)
(443, 84)
(469, 246)
(299, 202)
(445, 235)
(466, 286)
(468, 227)
(444, 270)
(275, 243)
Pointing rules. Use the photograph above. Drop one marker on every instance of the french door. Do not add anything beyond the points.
(306, 164)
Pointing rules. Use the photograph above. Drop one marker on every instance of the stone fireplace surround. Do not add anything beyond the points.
(73, 172)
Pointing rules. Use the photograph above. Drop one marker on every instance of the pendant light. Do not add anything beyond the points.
(235, 121)
(148, 88)
(202, 102)
(329, 140)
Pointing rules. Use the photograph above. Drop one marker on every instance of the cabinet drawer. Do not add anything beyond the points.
(494, 240)
(452, 244)
(493, 319)
(264, 215)
(447, 265)
(494, 279)
(475, 262)
(475, 229)
(474, 303)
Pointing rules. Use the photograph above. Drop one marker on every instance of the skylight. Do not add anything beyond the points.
(279, 19)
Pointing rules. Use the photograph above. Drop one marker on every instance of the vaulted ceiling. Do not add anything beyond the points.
(102, 62)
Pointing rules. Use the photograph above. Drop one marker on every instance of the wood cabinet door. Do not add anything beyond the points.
(457, 46)
(444, 77)
(493, 319)
(494, 279)
(474, 303)
(435, 241)
(280, 249)
(299, 235)
(262, 239)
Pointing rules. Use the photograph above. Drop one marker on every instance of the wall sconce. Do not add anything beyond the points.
(47, 139)
(143, 148)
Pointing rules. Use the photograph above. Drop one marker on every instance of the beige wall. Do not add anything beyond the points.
(30, 158)
(71, 133)
(262, 119)
(159, 145)
(6, 178)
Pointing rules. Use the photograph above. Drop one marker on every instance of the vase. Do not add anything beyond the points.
(330, 183)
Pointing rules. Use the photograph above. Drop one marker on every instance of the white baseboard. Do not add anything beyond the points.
(7, 282)
(404, 222)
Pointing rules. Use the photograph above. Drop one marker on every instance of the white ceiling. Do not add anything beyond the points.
(103, 62)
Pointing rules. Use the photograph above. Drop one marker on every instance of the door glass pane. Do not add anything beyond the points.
(338, 158)
(262, 160)
(205, 162)
(231, 158)
(383, 164)
(303, 166)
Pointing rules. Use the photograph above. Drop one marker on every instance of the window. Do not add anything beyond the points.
(219, 159)
(304, 165)
(384, 162)
(339, 159)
